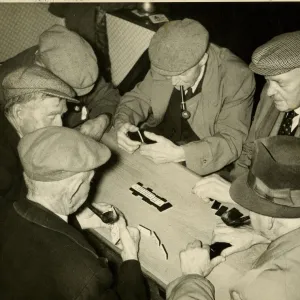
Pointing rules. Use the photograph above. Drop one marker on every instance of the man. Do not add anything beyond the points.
(42, 257)
(218, 89)
(279, 107)
(73, 60)
(33, 98)
(271, 192)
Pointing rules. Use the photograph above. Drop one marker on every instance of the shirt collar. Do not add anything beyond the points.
(65, 218)
(197, 81)
(297, 110)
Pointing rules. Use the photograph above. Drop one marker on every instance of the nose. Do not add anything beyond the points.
(271, 91)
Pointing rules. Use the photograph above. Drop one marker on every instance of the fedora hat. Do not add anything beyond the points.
(272, 185)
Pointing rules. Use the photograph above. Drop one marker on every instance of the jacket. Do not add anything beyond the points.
(103, 99)
(220, 114)
(274, 276)
(43, 257)
(11, 170)
(266, 122)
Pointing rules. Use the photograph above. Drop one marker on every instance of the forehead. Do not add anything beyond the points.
(288, 76)
(51, 103)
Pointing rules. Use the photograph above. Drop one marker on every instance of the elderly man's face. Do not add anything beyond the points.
(82, 193)
(188, 78)
(41, 113)
(284, 89)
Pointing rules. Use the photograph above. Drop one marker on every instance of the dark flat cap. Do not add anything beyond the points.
(27, 80)
(279, 55)
(55, 153)
(178, 46)
(272, 185)
(70, 57)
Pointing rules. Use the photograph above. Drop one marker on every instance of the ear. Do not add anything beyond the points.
(270, 223)
(17, 111)
(73, 188)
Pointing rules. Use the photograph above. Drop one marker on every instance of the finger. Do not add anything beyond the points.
(154, 137)
(194, 244)
(206, 247)
(217, 260)
(230, 250)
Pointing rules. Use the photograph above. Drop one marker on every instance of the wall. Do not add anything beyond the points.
(21, 24)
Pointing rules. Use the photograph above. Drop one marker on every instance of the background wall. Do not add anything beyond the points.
(21, 24)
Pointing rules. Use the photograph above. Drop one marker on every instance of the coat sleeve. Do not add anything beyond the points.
(269, 284)
(231, 126)
(190, 287)
(103, 99)
(135, 105)
(131, 285)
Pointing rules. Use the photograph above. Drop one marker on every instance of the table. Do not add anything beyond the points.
(187, 220)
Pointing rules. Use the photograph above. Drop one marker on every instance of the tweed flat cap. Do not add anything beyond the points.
(178, 46)
(27, 80)
(70, 57)
(279, 55)
(272, 185)
(55, 153)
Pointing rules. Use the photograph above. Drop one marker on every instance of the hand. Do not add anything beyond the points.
(124, 142)
(195, 259)
(130, 239)
(214, 187)
(241, 238)
(95, 127)
(163, 150)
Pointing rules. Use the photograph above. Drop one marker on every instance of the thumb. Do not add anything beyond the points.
(228, 251)
(216, 261)
(152, 136)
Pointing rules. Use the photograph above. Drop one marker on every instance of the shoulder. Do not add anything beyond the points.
(229, 63)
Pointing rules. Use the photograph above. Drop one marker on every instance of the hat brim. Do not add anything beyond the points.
(84, 91)
(60, 95)
(268, 71)
(242, 194)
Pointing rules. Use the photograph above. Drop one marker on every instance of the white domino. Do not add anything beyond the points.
(164, 251)
(148, 194)
(144, 230)
(156, 238)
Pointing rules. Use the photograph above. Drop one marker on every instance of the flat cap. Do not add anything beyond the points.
(279, 55)
(55, 153)
(178, 46)
(70, 57)
(32, 79)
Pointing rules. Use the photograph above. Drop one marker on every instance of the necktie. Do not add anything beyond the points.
(286, 125)
(189, 94)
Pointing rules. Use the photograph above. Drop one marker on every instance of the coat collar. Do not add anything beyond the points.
(36, 213)
(9, 132)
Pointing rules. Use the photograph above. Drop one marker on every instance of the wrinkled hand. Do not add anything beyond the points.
(162, 151)
(124, 142)
(96, 127)
(195, 259)
(214, 187)
(129, 239)
(241, 238)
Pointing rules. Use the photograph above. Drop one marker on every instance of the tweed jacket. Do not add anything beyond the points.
(43, 257)
(220, 114)
(11, 170)
(266, 122)
(103, 99)
(274, 276)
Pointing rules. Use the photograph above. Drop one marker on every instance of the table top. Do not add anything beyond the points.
(188, 219)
